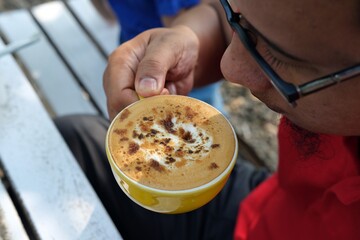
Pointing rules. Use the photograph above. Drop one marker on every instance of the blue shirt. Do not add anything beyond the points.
(136, 16)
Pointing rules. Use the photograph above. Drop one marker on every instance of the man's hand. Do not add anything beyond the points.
(158, 61)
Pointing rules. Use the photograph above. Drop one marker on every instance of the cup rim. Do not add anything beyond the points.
(173, 192)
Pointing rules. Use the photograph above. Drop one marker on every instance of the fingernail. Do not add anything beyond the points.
(147, 84)
(172, 89)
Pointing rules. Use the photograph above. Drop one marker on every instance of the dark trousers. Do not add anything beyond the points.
(85, 135)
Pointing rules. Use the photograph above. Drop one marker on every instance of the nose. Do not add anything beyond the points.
(239, 67)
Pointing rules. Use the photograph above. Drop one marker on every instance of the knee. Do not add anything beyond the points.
(66, 126)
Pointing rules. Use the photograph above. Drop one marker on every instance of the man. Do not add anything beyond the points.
(277, 48)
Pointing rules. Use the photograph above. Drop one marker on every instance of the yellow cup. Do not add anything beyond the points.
(169, 201)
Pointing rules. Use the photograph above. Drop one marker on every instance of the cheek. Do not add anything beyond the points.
(238, 67)
(331, 111)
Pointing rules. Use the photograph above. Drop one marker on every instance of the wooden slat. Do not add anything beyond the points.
(11, 227)
(50, 184)
(106, 34)
(52, 77)
(76, 47)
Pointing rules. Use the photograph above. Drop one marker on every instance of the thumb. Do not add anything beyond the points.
(160, 57)
(171, 55)
(148, 86)
(151, 73)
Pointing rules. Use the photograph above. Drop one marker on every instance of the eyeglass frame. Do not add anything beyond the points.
(289, 91)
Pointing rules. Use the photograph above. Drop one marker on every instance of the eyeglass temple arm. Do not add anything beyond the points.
(327, 81)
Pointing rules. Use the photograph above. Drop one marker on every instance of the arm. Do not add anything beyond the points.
(206, 23)
(165, 60)
(209, 54)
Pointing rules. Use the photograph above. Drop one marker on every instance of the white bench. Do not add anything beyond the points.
(66, 56)
(43, 193)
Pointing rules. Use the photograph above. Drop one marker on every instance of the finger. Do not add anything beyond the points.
(170, 86)
(118, 81)
(170, 56)
(152, 70)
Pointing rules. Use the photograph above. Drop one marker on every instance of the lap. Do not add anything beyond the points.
(85, 136)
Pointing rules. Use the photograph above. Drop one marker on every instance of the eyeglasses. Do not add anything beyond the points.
(289, 91)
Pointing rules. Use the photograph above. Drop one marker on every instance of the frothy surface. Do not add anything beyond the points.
(171, 142)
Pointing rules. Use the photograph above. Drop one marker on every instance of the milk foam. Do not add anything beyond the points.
(171, 142)
(196, 146)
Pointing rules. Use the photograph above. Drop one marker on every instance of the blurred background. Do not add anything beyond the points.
(14, 4)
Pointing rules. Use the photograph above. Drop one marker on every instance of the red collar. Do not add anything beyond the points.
(315, 161)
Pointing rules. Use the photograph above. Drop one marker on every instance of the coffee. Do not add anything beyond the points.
(171, 142)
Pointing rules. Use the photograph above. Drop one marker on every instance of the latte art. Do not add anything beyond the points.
(184, 142)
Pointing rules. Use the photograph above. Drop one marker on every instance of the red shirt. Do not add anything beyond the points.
(314, 195)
